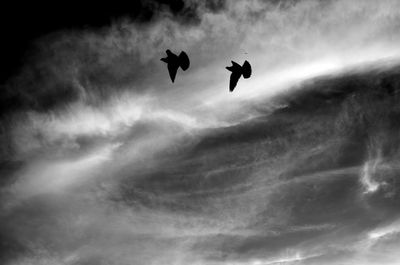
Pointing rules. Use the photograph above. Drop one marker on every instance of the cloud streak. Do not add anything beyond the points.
(116, 165)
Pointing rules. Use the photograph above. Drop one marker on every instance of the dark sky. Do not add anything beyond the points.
(21, 24)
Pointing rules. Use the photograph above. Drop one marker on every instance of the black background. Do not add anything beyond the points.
(22, 23)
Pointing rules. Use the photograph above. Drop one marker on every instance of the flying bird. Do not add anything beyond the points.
(174, 62)
(237, 72)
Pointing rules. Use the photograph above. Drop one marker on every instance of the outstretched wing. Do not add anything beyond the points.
(184, 61)
(172, 69)
(233, 80)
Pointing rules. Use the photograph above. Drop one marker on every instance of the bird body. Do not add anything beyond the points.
(174, 62)
(237, 72)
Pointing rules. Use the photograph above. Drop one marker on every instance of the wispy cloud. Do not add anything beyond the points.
(129, 168)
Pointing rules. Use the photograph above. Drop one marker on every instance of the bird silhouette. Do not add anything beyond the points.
(237, 72)
(174, 62)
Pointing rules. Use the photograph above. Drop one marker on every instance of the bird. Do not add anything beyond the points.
(237, 72)
(174, 62)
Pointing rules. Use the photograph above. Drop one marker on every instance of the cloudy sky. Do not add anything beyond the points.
(104, 161)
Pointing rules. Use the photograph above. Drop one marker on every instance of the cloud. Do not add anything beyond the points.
(286, 43)
(279, 39)
(118, 165)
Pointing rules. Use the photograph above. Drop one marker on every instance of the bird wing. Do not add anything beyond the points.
(184, 61)
(172, 69)
(235, 65)
(246, 69)
(233, 80)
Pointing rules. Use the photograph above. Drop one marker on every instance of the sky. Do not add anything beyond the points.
(105, 161)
